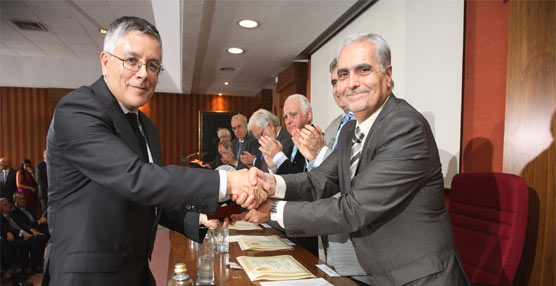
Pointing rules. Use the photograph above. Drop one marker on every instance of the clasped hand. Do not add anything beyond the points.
(246, 189)
(261, 213)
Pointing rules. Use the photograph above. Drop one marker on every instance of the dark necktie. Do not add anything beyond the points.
(132, 118)
(239, 150)
(12, 223)
(357, 141)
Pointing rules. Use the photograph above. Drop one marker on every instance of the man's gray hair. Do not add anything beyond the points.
(333, 64)
(305, 105)
(4, 199)
(382, 50)
(123, 25)
(261, 118)
(240, 116)
(223, 131)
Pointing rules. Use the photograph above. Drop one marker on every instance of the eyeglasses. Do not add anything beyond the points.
(134, 64)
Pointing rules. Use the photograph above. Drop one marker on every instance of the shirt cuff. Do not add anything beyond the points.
(320, 157)
(278, 216)
(280, 190)
(278, 159)
(223, 184)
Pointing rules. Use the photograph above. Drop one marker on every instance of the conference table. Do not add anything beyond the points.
(185, 251)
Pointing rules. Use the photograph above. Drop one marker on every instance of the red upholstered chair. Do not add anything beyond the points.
(489, 217)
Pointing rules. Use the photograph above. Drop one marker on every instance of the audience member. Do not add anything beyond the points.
(42, 182)
(224, 134)
(264, 123)
(243, 146)
(30, 247)
(14, 251)
(226, 153)
(21, 215)
(26, 184)
(8, 185)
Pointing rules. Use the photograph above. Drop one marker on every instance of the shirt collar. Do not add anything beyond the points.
(366, 125)
(125, 110)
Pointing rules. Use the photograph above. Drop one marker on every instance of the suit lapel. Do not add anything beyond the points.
(152, 138)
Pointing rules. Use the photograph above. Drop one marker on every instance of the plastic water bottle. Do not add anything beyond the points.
(180, 277)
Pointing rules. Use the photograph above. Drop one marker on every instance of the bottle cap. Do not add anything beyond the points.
(180, 268)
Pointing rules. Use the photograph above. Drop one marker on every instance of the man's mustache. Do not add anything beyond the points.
(359, 90)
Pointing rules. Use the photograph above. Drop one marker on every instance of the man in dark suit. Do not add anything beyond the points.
(264, 123)
(243, 146)
(8, 185)
(388, 171)
(108, 189)
(42, 182)
(21, 215)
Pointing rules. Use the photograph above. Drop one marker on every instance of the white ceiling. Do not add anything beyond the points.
(195, 35)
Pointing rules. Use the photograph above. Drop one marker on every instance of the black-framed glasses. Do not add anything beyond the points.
(134, 65)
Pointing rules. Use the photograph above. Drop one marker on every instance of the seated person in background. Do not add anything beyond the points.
(264, 123)
(24, 239)
(224, 134)
(226, 154)
(243, 146)
(21, 214)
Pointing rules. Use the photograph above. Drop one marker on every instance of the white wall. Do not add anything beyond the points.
(426, 40)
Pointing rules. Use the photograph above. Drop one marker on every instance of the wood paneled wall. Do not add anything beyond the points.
(484, 85)
(24, 121)
(530, 130)
(25, 115)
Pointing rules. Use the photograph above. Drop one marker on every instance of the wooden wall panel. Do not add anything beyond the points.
(530, 129)
(25, 115)
(484, 85)
(24, 122)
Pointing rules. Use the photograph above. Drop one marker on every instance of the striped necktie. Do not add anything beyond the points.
(357, 143)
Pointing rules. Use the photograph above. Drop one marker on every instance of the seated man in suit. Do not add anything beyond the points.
(388, 171)
(223, 134)
(20, 214)
(226, 153)
(27, 240)
(243, 146)
(264, 123)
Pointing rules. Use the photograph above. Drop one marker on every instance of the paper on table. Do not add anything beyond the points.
(304, 282)
(244, 225)
(260, 242)
(281, 267)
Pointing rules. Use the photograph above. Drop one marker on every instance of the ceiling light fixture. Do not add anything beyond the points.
(226, 83)
(220, 94)
(248, 24)
(102, 30)
(235, 51)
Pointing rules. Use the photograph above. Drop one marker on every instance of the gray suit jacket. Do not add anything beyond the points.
(250, 145)
(330, 132)
(102, 193)
(394, 206)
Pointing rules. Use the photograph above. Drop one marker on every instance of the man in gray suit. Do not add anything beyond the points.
(108, 190)
(388, 171)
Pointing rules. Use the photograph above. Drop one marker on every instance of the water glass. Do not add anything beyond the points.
(222, 244)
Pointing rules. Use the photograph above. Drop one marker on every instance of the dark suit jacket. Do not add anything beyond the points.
(250, 145)
(289, 166)
(102, 193)
(42, 182)
(9, 187)
(6, 227)
(394, 206)
(285, 139)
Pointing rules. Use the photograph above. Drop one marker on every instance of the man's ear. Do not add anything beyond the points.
(104, 57)
(310, 116)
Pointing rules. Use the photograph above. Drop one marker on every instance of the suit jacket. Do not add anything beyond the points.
(102, 193)
(250, 145)
(394, 206)
(7, 227)
(289, 166)
(9, 187)
(330, 132)
(42, 182)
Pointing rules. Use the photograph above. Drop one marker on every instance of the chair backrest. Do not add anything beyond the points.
(489, 216)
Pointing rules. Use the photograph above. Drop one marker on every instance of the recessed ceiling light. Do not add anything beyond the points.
(102, 30)
(226, 83)
(220, 94)
(235, 51)
(248, 24)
